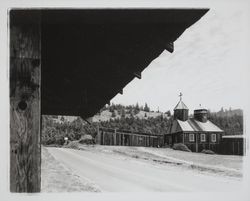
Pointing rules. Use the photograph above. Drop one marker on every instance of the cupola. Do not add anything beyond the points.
(181, 110)
(200, 114)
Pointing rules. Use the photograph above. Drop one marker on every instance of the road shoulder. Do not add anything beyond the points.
(58, 178)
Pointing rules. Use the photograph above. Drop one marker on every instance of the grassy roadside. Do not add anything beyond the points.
(57, 178)
(220, 165)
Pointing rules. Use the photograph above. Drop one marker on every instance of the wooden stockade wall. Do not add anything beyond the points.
(233, 146)
(109, 136)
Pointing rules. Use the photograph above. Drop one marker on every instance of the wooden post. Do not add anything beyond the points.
(103, 137)
(98, 136)
(25, 96)
(196, 142)
(233, 147)
(123, 139)
(238, 153)
(115, 137)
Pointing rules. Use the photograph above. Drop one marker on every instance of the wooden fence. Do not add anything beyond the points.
(231, 145)
(109, 136)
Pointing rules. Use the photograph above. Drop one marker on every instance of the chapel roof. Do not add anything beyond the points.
(192, 125)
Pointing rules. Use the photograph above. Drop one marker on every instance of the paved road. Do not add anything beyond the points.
(114, 174)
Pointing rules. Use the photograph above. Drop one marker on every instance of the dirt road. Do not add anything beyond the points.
(118, 174)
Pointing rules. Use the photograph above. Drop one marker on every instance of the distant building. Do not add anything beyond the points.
(196, 133)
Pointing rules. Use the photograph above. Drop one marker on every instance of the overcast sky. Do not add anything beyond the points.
(208, 59)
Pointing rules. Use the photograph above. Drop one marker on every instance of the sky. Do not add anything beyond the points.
(208, 67)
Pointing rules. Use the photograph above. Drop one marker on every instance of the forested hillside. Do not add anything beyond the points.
(136, 118)
(133, 118)
(231, 121)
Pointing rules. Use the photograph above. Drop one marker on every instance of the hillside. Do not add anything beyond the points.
(132, 118)
(230, 112)
(231, 121)
(106, 115)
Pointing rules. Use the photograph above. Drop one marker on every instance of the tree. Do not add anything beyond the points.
(62, 118)
(122, 113)
(131, 114)
(231, 124)
(137, 108)
(146, 108)
(111, 108)
(168, 113)
(113, 114)
(161, 117)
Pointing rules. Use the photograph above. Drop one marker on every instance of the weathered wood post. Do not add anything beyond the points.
(233, 147)
(25, 110)
(103, 137)
(115, 137)
(196, 142)
(123, 140)
(98, 136)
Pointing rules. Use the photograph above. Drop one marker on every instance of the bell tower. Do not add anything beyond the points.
(181, 110)
(201, 114)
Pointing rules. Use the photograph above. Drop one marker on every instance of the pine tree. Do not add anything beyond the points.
(137, 108)
(146, 108)
(113, 114)
(122, 113)
(62, 119)
(168, 113)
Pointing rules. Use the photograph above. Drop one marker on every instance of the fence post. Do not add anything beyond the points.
(103, 137)
(115, 137)
(98, 136)
(123, 139)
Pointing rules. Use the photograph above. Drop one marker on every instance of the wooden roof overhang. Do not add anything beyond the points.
(89, 56)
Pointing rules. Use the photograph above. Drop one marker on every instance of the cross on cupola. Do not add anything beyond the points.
(180, 96)
(181, 110)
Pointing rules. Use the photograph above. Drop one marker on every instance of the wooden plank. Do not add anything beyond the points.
(98, 136)
(233, 147)
(25, 109)
(238, 148)
(170, 47)
(118, 139)
(123, 139)
(103, 138)
(196, 142)
(137, 74)
(115, 143)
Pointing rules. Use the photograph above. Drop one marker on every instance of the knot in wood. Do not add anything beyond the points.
(22, 105)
